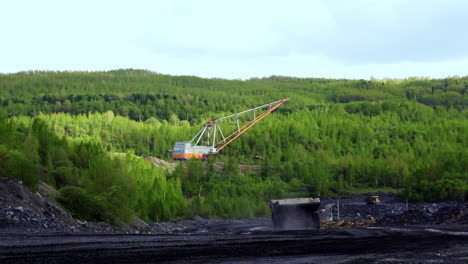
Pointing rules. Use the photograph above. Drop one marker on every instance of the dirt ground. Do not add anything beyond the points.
(34, 229)
(368, 245)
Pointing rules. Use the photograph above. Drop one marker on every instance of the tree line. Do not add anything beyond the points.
(332, 137)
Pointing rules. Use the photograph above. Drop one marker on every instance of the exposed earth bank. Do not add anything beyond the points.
(33, 228)
(23, 210)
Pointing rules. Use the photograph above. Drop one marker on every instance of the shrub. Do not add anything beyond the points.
(15, 165)
(84, 205)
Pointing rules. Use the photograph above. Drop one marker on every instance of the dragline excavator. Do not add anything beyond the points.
(295, 213)
(211, 140)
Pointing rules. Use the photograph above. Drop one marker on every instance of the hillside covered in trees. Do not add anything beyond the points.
(332, 137)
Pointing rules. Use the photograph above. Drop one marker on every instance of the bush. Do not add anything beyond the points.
(15, 165)
(84, 205)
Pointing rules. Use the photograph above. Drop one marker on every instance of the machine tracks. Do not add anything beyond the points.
(223, 247)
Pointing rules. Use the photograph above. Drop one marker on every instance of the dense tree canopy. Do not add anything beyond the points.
(332, 137)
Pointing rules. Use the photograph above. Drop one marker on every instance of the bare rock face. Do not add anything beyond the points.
(21, 208)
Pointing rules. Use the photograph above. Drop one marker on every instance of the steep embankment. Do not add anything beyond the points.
(23, 210)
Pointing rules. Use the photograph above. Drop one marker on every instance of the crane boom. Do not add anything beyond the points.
(245, 127)
(210, 139)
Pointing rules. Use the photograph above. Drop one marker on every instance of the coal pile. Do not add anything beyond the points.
(410, 217)
(20, 217)
(22, 209)
(361, 210)
(355, 206)
(424, 214)
(391, 211)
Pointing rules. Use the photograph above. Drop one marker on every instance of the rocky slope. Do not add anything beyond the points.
(22, 210)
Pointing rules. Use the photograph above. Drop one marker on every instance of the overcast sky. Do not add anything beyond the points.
(239, 39)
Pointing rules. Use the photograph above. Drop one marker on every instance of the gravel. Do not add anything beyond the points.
(392, 211)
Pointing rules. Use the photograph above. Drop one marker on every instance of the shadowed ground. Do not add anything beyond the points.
(242, 244)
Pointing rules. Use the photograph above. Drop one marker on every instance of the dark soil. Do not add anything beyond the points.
(381, 245)
(392, 211)
(34, 229)
(22, 209)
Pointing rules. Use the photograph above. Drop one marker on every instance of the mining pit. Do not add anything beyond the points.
(33, 229)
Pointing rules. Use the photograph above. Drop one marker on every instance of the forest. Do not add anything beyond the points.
(85, 134)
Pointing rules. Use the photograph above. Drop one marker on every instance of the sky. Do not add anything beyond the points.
(239, 39)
